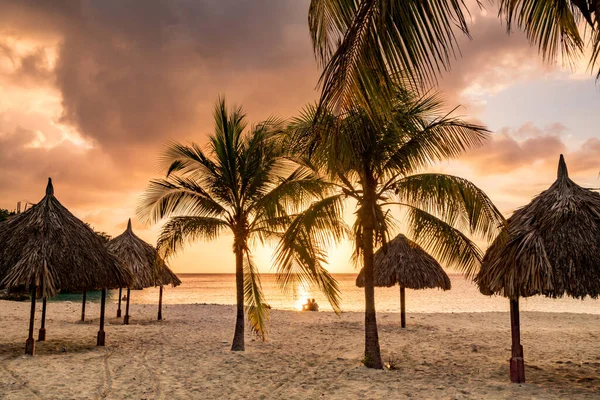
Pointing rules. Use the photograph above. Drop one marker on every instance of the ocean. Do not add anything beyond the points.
(463, 298)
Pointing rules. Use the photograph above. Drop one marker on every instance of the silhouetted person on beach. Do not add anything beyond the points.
(311, 305)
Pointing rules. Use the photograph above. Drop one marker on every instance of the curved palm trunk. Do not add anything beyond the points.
(372, 351)
(238, 337)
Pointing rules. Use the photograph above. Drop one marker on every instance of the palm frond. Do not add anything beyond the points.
(256, 308)
(290, 194)
(430, 135)
(186, 160)
(552, 25)
(300, 256)
(446, 243)
(374, 37)
(300, 263)
(455, 200)
(176, 195)
(180, 230)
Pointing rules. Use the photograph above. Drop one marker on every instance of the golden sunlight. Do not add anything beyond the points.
(300, 295)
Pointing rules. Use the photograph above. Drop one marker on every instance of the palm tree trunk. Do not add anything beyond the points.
(372, 351)
(238, 337)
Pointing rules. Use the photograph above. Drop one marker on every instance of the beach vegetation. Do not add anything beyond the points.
(361, 44)
(5, 214)
(381, 164)
(240, 183)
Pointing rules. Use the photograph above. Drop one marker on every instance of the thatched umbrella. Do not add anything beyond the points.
(405, 263)
(550, 247)
(47, 247)
(144, 262)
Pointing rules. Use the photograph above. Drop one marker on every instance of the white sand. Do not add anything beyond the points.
(308, 356)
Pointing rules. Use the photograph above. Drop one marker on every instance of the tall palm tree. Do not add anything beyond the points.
(380, 167)
(360, 42)
(242, 184)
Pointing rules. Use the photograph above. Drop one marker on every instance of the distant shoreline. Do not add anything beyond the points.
(453, 274)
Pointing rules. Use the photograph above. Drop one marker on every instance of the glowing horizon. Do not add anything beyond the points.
(91, 95)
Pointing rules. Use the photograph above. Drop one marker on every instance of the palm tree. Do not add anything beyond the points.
(360, 43)
(242, 184)
(380, 166)
(5, 214)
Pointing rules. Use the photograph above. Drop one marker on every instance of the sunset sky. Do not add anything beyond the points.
(90, 92)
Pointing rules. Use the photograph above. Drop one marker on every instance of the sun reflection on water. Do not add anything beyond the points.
(300, 296)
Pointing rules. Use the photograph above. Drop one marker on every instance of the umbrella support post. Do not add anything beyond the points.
(83, 306)
(101, 334)
(126, 319)
(402, 308)
(42, 333)
(160, 293)
(30, 342)
(517, 363)
(119, 308)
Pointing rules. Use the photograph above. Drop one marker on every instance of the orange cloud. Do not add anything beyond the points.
(512, 149)
(91, 91)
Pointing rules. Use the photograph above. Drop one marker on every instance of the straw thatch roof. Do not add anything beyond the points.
(405, 263)
(147, 267)
(47, 243)
(550, 246)
(167, 277)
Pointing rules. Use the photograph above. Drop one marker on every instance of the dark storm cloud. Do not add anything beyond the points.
(137, 72)
(127, 76)
(85, 177)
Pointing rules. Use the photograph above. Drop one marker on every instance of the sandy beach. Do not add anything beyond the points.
(308, 356)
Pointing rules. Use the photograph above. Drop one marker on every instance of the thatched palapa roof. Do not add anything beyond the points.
(146, 265)
(405, 263)
(48, 244)
(550, 246)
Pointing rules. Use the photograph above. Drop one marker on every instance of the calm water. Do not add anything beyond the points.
(464, 296)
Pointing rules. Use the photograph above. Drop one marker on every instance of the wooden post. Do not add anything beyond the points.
(83, 306)
(30, 342)
(126, 319)
(160, 303)
(119, 308)
(42, 333)
(101, 334)
(402, 308)
(517, 363)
